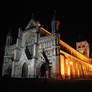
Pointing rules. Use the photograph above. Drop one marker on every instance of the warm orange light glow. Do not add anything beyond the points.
(39, 24)
(62, 66)
(78, 73)
(73, 70)
(68, 55)
(71, 63)
(86, 71)
(68, 70)
(77, 65)
(66, 61)
(45, 31)
(80, 69)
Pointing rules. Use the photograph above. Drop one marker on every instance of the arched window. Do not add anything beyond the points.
(29, 52)
(79, 46)
(83, 46)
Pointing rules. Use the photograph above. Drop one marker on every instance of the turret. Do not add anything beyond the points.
(19, 37)
(19, 33)
(55, 25)
(8, 39)
(18, 45)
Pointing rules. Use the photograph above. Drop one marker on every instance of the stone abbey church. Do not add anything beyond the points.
(35, 47)
(25, 58)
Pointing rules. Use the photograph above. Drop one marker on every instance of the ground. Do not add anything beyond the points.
(44, 85)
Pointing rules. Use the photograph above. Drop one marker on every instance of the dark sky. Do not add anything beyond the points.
(76, 22)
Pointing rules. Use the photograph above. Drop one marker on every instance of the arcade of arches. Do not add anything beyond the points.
(74, 68)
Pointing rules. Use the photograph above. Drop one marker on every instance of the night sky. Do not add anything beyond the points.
(76, 24)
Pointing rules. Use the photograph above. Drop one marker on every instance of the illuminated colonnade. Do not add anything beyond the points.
(66, 68)
(69, 69)
(73, 68)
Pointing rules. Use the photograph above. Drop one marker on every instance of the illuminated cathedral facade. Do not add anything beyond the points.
(25, 58)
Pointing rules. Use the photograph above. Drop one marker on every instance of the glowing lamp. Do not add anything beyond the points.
(38, 24)
(71, 63)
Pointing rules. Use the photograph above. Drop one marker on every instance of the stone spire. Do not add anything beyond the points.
(55, 24)
(19, 32)
(9, 39)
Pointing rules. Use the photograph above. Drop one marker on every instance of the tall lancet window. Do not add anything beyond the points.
(29, 50)
(28, 54)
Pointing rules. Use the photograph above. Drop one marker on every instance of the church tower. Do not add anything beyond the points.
(83, 47)
(55, 25)
(7, 64)
(8, 39)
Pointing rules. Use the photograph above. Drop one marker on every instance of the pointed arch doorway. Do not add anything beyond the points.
(25, 70)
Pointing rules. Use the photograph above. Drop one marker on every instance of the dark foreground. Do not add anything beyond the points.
(44, 85)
